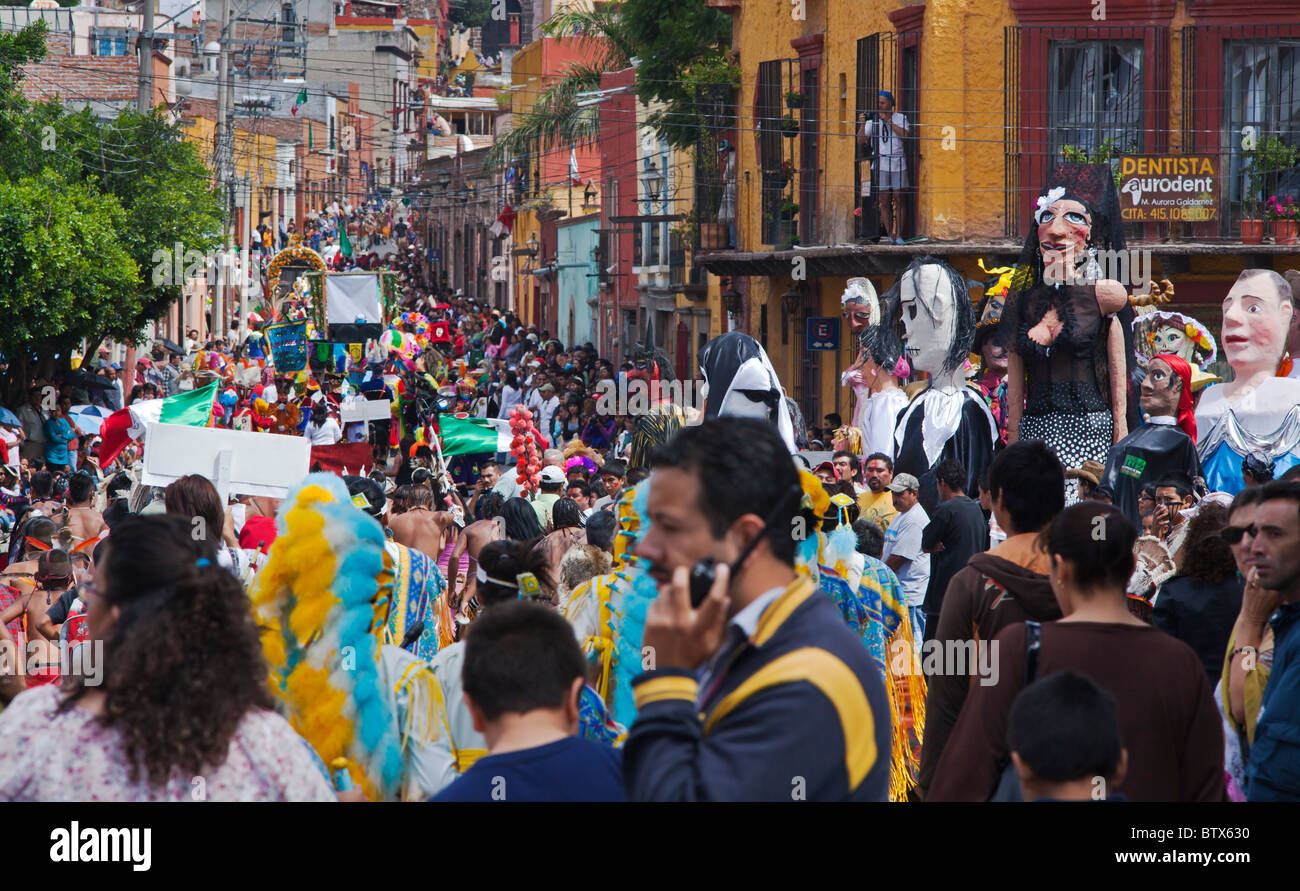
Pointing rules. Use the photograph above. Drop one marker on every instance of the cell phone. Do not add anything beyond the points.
(703, 574)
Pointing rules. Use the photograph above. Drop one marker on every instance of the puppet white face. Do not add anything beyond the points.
(1255, 324)
(928, 316)
(751, 380)
(1064, 228)
(861, 305)
(1168, 339)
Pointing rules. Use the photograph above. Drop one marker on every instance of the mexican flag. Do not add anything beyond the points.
(299, 101)
(463, 435)
(345, 243)
(192, 409)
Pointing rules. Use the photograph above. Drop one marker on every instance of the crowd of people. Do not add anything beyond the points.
(1009, 575)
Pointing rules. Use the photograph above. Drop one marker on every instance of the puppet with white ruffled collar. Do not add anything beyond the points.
(877, 397)
(946, 418)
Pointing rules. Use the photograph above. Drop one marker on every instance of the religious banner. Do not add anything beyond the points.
(1169, 188)
(288, 346)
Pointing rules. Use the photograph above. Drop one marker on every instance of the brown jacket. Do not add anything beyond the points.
(995, 589)
(1167, 718)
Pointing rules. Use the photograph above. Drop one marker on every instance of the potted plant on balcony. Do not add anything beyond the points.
(785, 172)
(789, 209)
(789, 127)
(794, 99)
(1281, 215)
(1268, 156)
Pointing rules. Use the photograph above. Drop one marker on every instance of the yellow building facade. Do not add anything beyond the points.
(978, 82)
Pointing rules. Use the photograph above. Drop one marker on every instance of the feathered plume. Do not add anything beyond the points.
(317, 600)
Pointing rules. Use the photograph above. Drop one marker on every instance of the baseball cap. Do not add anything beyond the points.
(116, 365)
(904, 482)
(552, 475)
(825, 465)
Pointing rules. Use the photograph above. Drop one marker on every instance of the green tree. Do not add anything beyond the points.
(683, 64)
(683, 52)
(470, 13)
(64, 274)
(155, 181)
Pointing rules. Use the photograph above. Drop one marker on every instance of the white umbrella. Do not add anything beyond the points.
(88, 418)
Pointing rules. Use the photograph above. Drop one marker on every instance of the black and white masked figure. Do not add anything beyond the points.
(740, 382)
(928, 316)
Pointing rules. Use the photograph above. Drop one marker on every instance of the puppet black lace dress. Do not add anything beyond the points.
(1066, 397)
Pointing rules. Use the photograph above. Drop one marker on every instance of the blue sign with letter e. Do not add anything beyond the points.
(823, 334)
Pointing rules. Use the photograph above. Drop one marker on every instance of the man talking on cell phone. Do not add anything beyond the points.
(762, 693)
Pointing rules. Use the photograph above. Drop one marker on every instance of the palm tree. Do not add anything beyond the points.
(556, 119)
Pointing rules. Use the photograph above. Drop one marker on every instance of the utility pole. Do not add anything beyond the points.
(225, 172)
(144, 101)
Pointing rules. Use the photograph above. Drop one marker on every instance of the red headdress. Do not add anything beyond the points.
(1186, 414)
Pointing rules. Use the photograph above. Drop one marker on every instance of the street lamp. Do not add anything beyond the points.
(589, 197)
(444, 179)
(790, 301)
(532, 245)
(731, 300)
(652, 180)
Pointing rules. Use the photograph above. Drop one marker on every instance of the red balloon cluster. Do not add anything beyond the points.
(523, 448)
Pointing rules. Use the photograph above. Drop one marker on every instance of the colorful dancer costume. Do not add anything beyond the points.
(419, 595)
(322, 601)
(870, 600)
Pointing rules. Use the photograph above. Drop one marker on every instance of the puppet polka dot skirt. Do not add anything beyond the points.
(1074, 438)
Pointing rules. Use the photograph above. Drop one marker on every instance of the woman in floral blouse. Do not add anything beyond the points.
(175, 706)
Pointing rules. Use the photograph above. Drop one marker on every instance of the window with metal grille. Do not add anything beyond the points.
(885, 61)
(1095, 95)
(776, 152)
(1067, 85)
(1262, 92)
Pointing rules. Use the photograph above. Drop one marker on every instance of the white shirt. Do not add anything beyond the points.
(746, 621)
(509, 399)
(903, 539)
(324, 434)
(889, 143)
(546, 411)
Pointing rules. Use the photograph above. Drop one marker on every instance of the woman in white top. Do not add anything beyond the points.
(167, 617)
(511, 395)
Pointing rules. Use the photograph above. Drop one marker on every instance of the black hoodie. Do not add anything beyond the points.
(995, 589)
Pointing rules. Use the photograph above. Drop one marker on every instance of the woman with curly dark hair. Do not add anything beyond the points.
(1199, 606)
(175, 705)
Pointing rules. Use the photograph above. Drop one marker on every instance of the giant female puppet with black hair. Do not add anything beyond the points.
(1068, 366)
(928, 314)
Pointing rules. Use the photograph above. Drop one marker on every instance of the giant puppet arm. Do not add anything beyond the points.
(1015, 394)
(1118, 380)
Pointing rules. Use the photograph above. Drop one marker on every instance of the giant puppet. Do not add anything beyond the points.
(1258, 412)
(1068, 365)
(930, 308)
(739, 381)
(877, 397)
(1165, 443)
